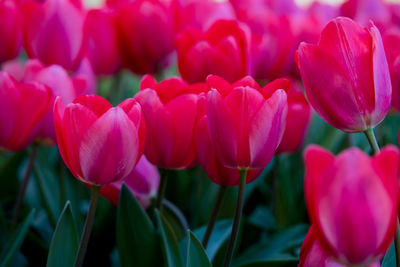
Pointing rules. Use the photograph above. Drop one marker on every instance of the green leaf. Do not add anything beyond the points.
(16, 240)
(170, 246)
(220, 234)
(137, 239)
(278, 261)
(196, 256)
(65, 241)
(390, 258)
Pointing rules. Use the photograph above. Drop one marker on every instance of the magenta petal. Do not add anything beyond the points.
(9, 96)
(109, 149)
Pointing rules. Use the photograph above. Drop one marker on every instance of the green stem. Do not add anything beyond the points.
(214, 214)
(397, 244)
(88, 226)
(238, 215)
(23, 187)
(63, 194)
(161, 189)
(369, 133)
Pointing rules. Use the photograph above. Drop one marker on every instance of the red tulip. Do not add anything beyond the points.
(222, 50)
(54, 32)
(146, 30)
(10, 30)
(298, 117)
(346, 76)
(312, 254)
(352, 200)
(103, 46)
(170, 110)
(246, 122)
(100, 144)
(143, 182)
(22, 106)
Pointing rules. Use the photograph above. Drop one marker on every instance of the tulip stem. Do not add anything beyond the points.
(161, 189)
(23, 187)
(397, 244)
(238, 215)
(88, 226)
(214, 214)
(372, 140)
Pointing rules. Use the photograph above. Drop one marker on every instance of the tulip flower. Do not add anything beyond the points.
(54, 32)
(352, 200)
(222, 50)
(246, 122)
(364, 10)
(298, 118)
(146, 30)
(100, 144)
(103, 46)
(346, 76)
(22, 106)
(10, 30)
(170, 111)
(143, 182)
(312, 254)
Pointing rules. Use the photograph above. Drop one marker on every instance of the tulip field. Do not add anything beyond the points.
(196, 133)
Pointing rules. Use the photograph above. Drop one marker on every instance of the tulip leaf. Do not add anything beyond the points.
(137, 239)
(277, 261)
(16, 241)
(172, 256)
(220, 234)
(65, 241)
(196, 256)
(390, 258)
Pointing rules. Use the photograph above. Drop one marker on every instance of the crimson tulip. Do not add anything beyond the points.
(22, 106)
(352, 200)
(143, 182)
(146, 30)
(346, 75)
(100, 144)
(54, 32)
(170, 111)
(246, 122)
(221, 50)
(10, 30)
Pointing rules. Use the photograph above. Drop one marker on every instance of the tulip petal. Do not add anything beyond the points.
(219, 84)
(9, 96)
(95, 103)
(247, 81)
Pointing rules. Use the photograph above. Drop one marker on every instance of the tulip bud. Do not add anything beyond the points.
(352, 200)
(246, 122)
(346, 76)
(10, 30)
(143, 182)
(22, 106)
(222, 50)
(100, 144)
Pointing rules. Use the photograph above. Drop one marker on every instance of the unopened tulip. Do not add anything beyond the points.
(143, 182)
(298, 117)
(146, 30)
(246, 122)
(103, 46)
(22, 106)
(54, 32)
(100, 144)
(222, 50)
(352, 200)
(312, 254)
(10, 30)
(171, 113)
(346, 75)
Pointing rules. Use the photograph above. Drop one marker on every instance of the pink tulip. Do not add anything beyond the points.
(298, 117)
(103, 46)
(100, 144)
(22, 106)
(352, 200)
(146, 30)
(312, 254)
(222, 50)
(143, 182)
(171, 113)
(10, 30)
(246, 122)
(54, 32)
(364, 10)
(346, 76)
